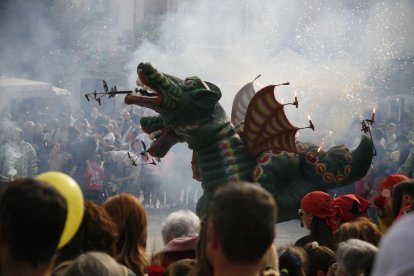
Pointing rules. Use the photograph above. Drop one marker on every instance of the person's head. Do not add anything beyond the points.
(131, 220)
(32, 219)
(39, 128)
(28, 127)
(391, 129)
(355, 257)
(384, 201)
(320, 216)
(320, 258)
(97, 232)
(73, 133)
(293, 261)
(319, 204)
(402, 142)
(182, 223)
(386, 188)
(351, 206)
(17, 136)
(242, 218)
(102, 120)
(361, 228)
(180, 267)
(95, 263)
(378, 135)
(100, 132)
(403, 195)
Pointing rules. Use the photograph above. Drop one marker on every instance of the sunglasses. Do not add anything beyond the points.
(301, 213)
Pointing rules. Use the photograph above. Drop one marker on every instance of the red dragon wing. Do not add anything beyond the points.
(241, 102)
(266, 126)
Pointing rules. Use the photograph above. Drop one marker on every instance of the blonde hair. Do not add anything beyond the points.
(270, 260)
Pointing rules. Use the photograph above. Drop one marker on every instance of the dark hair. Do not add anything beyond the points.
(321, 233)
(399, 190)
(244, 217)
(293, 261)
(378, 133)
(320, 258)
(97, 232)
(32, 216)
(101, 129)
(101, 121)
(73, 133)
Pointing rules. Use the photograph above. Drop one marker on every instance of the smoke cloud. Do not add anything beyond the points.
(337, 56)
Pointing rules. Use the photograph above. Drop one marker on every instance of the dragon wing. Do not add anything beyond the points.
(266, 126)
(241, 102)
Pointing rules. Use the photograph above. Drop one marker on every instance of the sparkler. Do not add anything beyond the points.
(143, 156)
(372, 120)
(366, 128)
(112, 92)
(311, 125)
(295, 102)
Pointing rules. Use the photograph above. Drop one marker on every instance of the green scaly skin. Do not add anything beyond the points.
(189, 112)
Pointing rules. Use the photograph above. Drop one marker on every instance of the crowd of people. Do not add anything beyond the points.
(105, 155)
(236, 237)
(365, 231)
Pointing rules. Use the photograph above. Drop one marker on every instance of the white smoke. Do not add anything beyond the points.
(337, 55)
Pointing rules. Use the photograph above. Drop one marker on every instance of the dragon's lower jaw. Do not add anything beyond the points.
(143, 101)
(162, 145)
(149, 97)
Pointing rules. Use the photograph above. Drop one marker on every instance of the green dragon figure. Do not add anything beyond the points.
(262, 150)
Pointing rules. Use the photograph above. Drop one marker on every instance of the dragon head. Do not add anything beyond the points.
(183, 106)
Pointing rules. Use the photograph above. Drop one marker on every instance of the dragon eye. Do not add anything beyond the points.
(188, 82)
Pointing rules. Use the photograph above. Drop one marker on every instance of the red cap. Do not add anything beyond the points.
(351, 206)
(386, 187)
(390, 181)
(320, 205)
